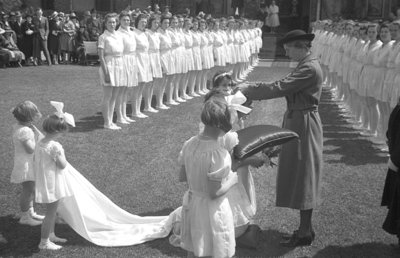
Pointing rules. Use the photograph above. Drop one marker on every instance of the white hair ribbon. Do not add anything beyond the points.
(61, 114)
(236, 101)
(222, 75)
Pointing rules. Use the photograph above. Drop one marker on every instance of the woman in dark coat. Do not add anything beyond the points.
(27, 29)
(54, 37)
(300, 164)
(391, 191)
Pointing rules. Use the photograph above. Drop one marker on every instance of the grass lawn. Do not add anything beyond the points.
(136, 168)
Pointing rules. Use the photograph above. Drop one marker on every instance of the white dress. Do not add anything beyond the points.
(130, 60)
(207, 225)
(196, 51)
(112, 44)
(143, 59)
(23, 161)
(177, 50)
(154, 53)
(380, 69)
(204, 52)
(166, 53)
(368, 70)
(219, 49)
(273, 16)
(86, 210)
(51, 184)
(188, 50)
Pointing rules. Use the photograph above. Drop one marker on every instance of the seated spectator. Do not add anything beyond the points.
(4, 54)
(8, 45)
(5, 24)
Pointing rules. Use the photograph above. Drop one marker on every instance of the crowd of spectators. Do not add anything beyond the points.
(23, 37)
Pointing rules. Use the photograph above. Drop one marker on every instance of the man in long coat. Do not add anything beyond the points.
(300, 163)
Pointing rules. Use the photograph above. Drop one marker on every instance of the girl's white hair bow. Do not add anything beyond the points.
(235, 101)
(66, 116)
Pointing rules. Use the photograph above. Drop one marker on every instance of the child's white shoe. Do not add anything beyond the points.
(56, 239)
(48, 245)
(34, 215)
(26, 219)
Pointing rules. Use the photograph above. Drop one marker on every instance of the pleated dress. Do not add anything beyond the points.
(219, 49)
(188, 52)
(204, 52)
(143, 58)
(154, 53)
(129, 57)
(379, 71)
(113, 46)
(197, 51)
(356, 64)
(367, 73)
(167, 60)
(392, 70)
(176, 50)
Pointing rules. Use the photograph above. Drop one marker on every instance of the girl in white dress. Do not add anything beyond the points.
(231, 43)
(25, 135)
(355, 68)
(49, 165)
(370, 111)
(155, 62)
(380, 68)
(167, 64)
(130, 67)
(206, 56)
(194, 82)
(219, 50)
(187, 60)
(273, 16)
(112, 76)
(178, 54)
(207, 218)
(188, 56)
(143, 62)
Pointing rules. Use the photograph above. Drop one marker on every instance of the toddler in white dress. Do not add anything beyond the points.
(49, 165)
(207, 218)
(25, 135)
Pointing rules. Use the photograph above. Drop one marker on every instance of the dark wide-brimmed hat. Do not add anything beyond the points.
(296, 35)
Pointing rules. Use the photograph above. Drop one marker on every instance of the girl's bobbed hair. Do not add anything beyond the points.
(26, 111)
(220, 77)
(216, 113)
(54, 124)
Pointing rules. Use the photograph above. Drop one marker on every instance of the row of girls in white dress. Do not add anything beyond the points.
(362, 66)
(170, 57)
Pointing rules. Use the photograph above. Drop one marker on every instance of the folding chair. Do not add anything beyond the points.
(90, 51)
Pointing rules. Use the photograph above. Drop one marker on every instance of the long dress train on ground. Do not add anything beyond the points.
(96, 218)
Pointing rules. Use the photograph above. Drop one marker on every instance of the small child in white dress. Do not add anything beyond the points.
(49, 164)
(25, 136)
(207, 218)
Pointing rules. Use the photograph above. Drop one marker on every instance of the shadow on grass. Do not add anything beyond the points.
(359, 250)
(88, 124)
(163, 212)
(23, 240)
(350, 145)
(268, 246)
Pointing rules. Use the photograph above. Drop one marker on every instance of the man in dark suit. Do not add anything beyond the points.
(40, 37)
